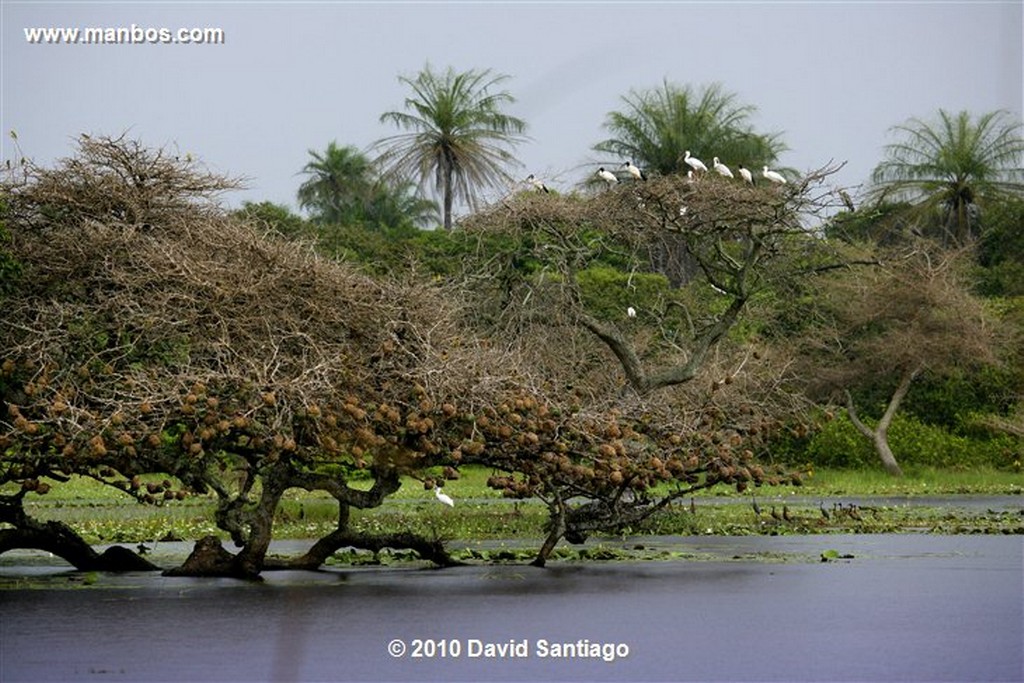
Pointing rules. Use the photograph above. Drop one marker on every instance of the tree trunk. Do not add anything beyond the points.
(554, 534)
(447, 199)
(63, 541)
(879, 436)
(342, 538)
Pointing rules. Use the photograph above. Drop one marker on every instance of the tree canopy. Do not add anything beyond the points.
(952, 167)
(658, 126)
(459, 140)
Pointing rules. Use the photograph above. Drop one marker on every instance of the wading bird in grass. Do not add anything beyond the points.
(444, 497)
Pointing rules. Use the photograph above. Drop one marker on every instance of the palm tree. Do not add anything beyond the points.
(340, 183)
(344, 188)
(457, 135)
(399, 204)
(659, 125)
(953, 167)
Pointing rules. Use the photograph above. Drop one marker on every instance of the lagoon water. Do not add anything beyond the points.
(904, 608)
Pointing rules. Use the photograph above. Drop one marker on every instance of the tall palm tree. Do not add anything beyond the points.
(458, 136)
(340, 182)
(952, 167)
(659, 125)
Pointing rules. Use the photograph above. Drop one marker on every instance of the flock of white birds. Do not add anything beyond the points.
(697, 167)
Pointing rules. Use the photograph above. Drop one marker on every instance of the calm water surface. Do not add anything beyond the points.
(905, 608)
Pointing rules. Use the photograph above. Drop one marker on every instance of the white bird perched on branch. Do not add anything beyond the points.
(635, 171)
(443, 497)
(607, 176)
(721, 169)
(694, 163)
(746, 174)
(537, 183)
(773, 176)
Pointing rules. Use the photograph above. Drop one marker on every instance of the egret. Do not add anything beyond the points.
(773, 176)
(631, 312)
(607, 176)
(635, 171)
(443, 497)
(694, 163)
(537, 183)
(746, 174)
(722, 169)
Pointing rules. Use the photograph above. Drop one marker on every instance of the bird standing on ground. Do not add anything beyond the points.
(773, 176)
(607, 176)
(631, 312)
(537, 183)
(721, 169)
(746, 174)
(694, 163)
(635, 171)
(443, 497)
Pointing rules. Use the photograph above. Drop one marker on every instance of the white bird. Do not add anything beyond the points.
(722, 169)
(631, 312)
(607, 176)
(537, 183)
(746, 174)
(773, 176)
(443, 497)
(635, 171)
(694, 163)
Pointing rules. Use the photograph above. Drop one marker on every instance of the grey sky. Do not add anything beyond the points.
(832, 77)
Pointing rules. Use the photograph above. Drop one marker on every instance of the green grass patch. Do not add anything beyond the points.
(104, 515)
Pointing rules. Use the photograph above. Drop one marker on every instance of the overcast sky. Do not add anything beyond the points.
(832, 77)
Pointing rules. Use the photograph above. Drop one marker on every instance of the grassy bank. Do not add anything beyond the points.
(104, 515)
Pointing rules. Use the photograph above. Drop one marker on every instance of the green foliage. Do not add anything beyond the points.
(275, 217)
(839, 445)
(1001, 250)
(457, 136)
(953, 168)
(343, 188)
(659, 125)
(607, 292)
